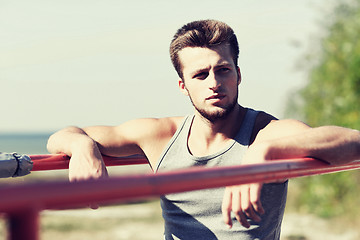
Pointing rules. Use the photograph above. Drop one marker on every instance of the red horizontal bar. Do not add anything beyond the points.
(61, 161)
(61, 195)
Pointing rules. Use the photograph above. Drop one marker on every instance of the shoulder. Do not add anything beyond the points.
(280, 128)
(262, 120)
(152, 135)
(269, 127)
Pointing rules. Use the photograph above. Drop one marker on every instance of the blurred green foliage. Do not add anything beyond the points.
(332, 97)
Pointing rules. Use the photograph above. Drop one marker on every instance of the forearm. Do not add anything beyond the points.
(69, 139)
(335, 145)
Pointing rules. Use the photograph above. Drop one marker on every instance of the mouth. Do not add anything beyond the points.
(217, 96)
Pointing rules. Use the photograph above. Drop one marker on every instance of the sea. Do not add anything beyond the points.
(29, 144)
(24, 143)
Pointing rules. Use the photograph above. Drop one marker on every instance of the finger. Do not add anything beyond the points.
(74, 178)
(237, 209)
(226, 207)
(78, 178)
(94, 206)
(255, 198)
(247, 205)
(105, 173)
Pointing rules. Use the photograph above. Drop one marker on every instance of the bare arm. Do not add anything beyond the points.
(85, 145)
(291, 139)
(286, 139)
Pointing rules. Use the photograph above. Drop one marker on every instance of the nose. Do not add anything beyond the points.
(214, 82)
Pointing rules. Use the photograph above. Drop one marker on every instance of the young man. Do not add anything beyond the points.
(219, 133)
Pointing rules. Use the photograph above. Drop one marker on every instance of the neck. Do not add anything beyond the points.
(224, 126)
(206, 136)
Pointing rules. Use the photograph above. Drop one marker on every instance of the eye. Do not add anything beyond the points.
(201, 75)
(224, 70)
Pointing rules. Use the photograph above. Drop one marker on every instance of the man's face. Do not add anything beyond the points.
(210, 79)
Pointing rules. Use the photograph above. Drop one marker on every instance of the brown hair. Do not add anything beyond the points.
(203, 33)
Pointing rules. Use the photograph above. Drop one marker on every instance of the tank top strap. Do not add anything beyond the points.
(179, 134)
(247, 127)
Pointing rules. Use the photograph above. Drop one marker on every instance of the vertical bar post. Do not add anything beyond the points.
(23, 225)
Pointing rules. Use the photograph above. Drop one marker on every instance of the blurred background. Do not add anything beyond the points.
(105, 62)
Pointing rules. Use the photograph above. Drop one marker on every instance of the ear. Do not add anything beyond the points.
(239, 75)
(182, 87)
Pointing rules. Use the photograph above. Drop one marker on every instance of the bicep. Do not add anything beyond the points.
(281, 128)
(139, 136)
(121, 140)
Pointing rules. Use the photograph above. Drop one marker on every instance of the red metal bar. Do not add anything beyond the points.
(23, 224)
(61, 161)
(55, 195)
(23, 211)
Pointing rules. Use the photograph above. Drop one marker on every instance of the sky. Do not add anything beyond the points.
(105, 62)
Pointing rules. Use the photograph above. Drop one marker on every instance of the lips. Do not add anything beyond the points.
(217, 96)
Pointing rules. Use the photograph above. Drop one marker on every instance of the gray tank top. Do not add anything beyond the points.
(197, 214)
